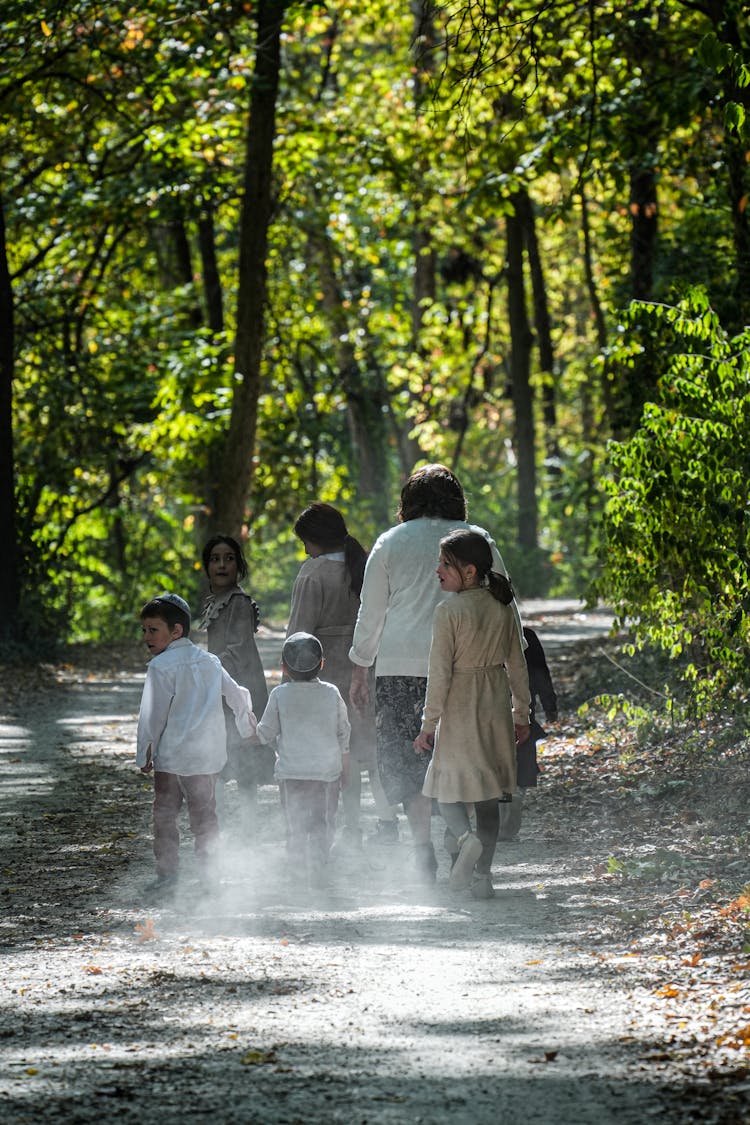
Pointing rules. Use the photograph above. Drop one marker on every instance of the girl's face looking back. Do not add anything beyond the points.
(454, 577)
(222, 568)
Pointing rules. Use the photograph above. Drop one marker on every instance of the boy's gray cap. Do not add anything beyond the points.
(302, 652)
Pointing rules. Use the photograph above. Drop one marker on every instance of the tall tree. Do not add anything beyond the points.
(728, 50)
(521, 390)
(236, 471)
(9, 578)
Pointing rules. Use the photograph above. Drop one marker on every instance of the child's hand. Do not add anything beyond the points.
(424, 742)
(149, 761)
(523, 730)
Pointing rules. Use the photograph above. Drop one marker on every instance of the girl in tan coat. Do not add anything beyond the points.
(477, 704)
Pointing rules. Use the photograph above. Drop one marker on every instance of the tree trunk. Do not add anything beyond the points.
(9, 577)
(425, 287)
(172, 247)
(735, 155)
(365, 395)
(236, 470)
(525, 211)
(211, 276)
(523, 398)
(596, 308)
(643, 218)
(727, 20)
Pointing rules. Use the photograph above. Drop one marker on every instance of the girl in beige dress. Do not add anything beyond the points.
(477, 704)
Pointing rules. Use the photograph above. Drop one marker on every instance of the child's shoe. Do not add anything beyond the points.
(162, 887)
(481, 886)
(386, 832)
(470, 849)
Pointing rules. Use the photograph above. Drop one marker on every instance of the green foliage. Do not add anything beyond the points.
(674, 560)
(122, 152)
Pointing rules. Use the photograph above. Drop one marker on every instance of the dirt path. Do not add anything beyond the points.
(377, 1002)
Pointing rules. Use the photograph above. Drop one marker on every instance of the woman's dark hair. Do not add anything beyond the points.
(233, 545)
(432, 491)
(462, 547)
(324, 525)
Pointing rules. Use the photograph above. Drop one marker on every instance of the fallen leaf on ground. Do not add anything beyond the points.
(257, 1057)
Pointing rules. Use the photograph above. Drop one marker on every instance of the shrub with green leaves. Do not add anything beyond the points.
(675, 533)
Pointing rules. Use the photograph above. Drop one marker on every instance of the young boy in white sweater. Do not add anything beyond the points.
(307, 722)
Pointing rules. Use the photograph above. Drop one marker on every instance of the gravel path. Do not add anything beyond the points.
(378, 1001)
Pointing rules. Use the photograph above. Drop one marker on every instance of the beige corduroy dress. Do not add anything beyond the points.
(477, 687)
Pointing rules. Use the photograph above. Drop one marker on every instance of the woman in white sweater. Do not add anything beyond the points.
(394, 630)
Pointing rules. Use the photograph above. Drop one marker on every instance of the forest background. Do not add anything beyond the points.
(256, 254)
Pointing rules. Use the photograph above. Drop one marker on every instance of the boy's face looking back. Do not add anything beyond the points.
(157, 635)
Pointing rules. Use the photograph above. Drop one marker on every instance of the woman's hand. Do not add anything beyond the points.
(359, 691)
(424, 742)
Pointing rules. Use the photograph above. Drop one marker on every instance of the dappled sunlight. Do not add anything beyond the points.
(423, 1017)
(95, 721)
(20, 771)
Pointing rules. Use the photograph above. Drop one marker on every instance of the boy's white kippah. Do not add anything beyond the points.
(174, 599)
(302, 652)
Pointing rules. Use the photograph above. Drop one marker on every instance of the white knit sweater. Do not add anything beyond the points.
(399, 595)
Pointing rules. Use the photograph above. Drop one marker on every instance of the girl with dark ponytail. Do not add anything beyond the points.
(466, 548)
(323, 527)
(325, 602)
(476, 706)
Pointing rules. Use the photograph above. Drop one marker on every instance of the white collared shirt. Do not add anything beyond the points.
(182, 717)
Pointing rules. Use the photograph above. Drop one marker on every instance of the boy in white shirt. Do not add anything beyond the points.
(182, 734)
(306, 719)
